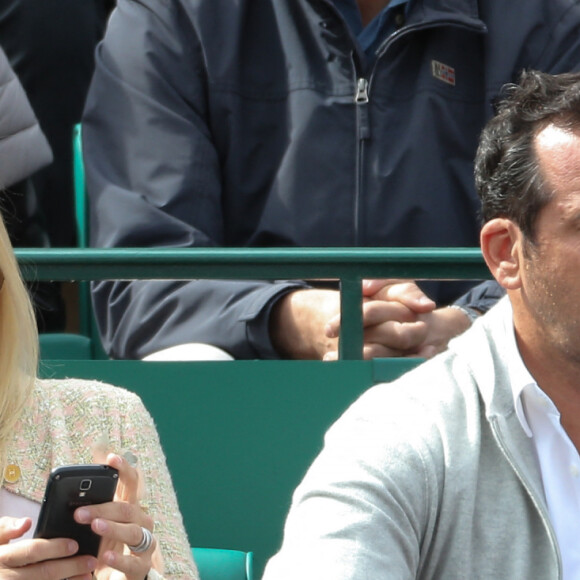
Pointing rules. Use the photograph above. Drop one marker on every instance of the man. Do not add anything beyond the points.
(275, 123)
(468, 467)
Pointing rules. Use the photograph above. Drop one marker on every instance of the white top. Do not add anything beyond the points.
(558, 458)
(19, 507)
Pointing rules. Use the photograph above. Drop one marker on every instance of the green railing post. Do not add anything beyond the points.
(350, 344)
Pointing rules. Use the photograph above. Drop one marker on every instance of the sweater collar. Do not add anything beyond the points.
(494, 371)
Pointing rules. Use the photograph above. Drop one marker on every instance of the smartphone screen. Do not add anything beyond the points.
(70, 487)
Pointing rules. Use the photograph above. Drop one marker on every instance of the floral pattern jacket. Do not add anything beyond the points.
(78, 421)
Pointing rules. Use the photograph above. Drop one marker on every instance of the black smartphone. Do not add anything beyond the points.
(68, 488)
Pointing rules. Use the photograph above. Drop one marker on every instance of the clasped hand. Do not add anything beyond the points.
(400, 320)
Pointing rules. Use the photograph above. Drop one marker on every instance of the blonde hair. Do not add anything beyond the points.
(18, 343)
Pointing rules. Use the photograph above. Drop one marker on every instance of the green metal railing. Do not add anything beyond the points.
(349, 265)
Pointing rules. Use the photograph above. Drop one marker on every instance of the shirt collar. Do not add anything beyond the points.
(351, 13)
(521, 381)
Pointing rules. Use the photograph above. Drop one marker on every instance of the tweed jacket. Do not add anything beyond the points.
(77, 421)
(431, 477)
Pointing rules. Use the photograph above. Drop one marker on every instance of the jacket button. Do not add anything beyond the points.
(11, 473)
(399, 19)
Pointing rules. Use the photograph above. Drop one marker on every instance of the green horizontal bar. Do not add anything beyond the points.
(270, 263)
(349, 265)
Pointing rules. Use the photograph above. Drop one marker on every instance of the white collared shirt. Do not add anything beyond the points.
(558, 458)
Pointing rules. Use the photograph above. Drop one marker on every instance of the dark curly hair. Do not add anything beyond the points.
(508, 178)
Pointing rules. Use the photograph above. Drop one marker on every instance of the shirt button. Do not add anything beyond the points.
(574, 470)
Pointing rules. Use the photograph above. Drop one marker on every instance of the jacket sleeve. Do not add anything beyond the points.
(555, 47)
(481, 297)
(23, 147)
(153, 177)
(159, 498)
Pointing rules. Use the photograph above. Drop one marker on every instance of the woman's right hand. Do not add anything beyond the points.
(39, 559)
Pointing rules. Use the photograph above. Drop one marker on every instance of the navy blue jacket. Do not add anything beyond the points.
(252, 123)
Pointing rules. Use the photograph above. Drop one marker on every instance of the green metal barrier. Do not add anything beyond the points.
(239, 435)
(349, 265)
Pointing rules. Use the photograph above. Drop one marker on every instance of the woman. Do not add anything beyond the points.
(47, 423)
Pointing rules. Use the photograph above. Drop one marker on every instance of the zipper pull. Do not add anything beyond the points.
(362, 92)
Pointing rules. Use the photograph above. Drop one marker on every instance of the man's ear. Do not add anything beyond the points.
(501, 245)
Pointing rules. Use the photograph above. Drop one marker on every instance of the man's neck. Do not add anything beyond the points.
(370, 8)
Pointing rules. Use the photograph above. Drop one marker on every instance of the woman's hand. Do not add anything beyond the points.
(39, 559)
(120, 523)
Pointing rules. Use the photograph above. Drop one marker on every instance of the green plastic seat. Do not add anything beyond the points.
(64, 346)
(217, 564)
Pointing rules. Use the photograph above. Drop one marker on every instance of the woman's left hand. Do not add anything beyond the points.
(120, 523)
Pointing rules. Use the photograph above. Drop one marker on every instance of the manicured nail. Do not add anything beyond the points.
(92, 564)
(83, 516)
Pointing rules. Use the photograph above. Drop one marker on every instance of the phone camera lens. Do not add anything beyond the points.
(85, 484)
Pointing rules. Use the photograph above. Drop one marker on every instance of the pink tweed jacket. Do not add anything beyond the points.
(77, 421)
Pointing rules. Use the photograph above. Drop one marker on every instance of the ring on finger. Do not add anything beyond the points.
(145, 542)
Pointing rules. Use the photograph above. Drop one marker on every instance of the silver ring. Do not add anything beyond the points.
(145, 542)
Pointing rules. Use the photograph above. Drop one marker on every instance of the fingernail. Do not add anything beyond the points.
(18, 523)
(130, 458)
(83, 516)
(109, 558)
(100, 526)
(92, 564)
(72, 547)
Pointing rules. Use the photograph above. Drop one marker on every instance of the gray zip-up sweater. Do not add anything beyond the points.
(429, 477)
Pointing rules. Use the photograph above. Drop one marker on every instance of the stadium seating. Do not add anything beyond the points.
(239, 435)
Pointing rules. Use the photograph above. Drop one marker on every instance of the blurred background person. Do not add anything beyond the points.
(50, 45)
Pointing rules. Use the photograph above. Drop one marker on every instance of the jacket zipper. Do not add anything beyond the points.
(362, 100)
